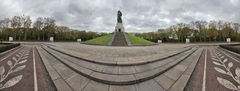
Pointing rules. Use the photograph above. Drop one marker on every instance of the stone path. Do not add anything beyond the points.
(218, 70)
(19, 72)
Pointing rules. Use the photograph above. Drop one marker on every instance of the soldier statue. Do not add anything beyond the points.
(119, 17)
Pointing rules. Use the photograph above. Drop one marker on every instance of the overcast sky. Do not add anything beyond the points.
(138, 15)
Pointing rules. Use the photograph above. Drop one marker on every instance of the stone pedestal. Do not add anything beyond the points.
(187, 40)
(10, 39)
(228, 40)
(79, 40)
(119, 27)
(159, 41)
(51, 39)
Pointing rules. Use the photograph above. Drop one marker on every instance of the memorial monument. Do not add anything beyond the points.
(119, 26)
(119, 37)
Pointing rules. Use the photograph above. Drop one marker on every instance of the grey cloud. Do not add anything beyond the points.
(138, 15)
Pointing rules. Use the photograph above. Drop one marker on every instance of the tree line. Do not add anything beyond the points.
(22, 28)
(196, 31)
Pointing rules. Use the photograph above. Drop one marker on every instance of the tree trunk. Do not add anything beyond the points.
(25, 34)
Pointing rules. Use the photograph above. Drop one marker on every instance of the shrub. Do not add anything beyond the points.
(231, 47)
(8, 46)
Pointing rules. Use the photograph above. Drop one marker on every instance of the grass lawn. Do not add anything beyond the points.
(103, 40)
(138, 41)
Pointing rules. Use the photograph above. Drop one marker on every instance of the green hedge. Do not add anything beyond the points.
(231, 48)
(8, 46)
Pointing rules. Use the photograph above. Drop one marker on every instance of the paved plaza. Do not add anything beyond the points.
(78, 67)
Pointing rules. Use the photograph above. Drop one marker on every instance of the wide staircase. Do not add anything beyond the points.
(69, 72)
(119, 39)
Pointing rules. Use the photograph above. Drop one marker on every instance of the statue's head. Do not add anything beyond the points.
(119, 12)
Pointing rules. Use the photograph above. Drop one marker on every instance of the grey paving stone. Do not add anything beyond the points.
(53, 74)
(125, 78)
(142, 68)
(95, 86)
(161, 62)
(121, 59)
(126, 70)
(64, 71)
(110, 69)
(99, 68)
(130, 62)
(145, 75)
(105, 77)
(77, 82)
(180, 84)
(61, 85)
(83, 70)
(180, 67)
(164, 81)
(149, 85)
(173, 74)
(122, 88)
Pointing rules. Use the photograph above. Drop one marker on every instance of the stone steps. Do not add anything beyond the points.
(54, 73)
(119, 39)
(140, 75)
(173, 79)
(115, 70)
(149, 59)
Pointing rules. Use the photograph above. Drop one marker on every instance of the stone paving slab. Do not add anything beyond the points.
(122, 88)
(95, 86)
(164, 81)
(149, 85)
(77, 82)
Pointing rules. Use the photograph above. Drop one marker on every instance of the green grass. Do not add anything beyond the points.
(103, 40)
(138, 41)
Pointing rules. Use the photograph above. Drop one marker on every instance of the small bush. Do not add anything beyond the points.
(8, 46)
(231, 47)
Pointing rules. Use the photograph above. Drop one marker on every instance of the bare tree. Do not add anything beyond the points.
(26, 24)
(38, 24)
(201, 26)
(16, 23)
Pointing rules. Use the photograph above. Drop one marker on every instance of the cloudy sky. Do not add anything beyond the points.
(138, 15)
